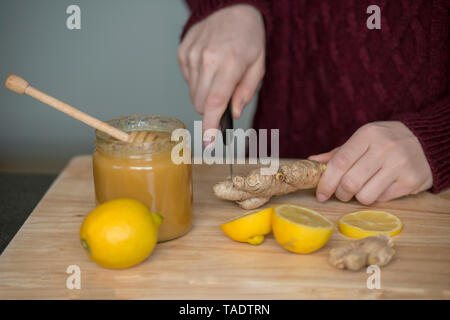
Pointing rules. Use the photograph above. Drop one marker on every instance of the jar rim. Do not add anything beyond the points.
(102, 136)
(150, 122)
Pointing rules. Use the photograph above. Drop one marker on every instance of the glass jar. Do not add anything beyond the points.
(145, 172)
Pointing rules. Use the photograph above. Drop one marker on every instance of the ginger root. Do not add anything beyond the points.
(355, 255)
(254, 190)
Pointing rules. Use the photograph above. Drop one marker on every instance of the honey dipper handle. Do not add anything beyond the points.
(21, 86)
(16, 84)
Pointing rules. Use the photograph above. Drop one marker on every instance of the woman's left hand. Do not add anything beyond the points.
(380, 162)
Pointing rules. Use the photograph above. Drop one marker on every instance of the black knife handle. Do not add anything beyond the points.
(226, 122)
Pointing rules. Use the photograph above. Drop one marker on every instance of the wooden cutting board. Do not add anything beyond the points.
(205, 264)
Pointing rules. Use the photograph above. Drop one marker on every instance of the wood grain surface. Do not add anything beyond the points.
(205, 264)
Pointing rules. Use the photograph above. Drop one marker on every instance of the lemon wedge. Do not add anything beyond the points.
(299, 229)
(250, 227)
(368, 223)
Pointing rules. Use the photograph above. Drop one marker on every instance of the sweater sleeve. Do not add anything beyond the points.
(200, 9)
(432, 127)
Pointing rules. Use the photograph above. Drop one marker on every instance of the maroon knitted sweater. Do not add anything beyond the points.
(327, 74)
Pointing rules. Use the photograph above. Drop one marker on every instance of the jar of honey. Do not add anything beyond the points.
(144, 171)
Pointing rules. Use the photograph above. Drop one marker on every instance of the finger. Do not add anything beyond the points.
(219, 94)
(206, 77)
(358, 175)
(339, 164)
(399, 189)
(324, 157)
(427, 184)
(376, 186)
(193, 65)
(182, 54)
(394, 191)
(209, 137)
(245, 90)
(182, 62)
(183, 67)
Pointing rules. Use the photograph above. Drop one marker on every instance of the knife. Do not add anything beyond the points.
(226, 122)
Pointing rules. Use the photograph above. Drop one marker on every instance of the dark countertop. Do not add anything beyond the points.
(19, 194)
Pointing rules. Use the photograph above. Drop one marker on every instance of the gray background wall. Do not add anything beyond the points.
(122, 61)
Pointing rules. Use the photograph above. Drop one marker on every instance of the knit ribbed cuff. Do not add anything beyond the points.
(432, 128)
(203, 8)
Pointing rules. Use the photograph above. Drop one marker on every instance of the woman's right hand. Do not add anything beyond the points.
(223, 57)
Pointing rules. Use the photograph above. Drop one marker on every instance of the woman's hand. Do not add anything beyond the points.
(223, 56)
(380, 162)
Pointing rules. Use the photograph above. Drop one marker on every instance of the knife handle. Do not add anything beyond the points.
(226, 122)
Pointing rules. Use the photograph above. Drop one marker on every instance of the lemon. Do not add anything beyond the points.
(250, 227)
(368, 223)
(299, 229)
(120, 233)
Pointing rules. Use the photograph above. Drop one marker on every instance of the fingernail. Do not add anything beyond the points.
(321, 197)
(241, 107)
(208, 142)
(238, 111)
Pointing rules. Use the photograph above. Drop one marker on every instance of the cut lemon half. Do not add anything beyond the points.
(250, 227)
(299, 229)
(368, 223)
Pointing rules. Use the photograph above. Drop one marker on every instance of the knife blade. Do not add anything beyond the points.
(226, 122)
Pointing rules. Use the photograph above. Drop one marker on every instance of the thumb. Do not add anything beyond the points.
(324, 157)
(246, 88)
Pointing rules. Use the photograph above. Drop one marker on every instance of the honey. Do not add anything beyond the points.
(144, 171)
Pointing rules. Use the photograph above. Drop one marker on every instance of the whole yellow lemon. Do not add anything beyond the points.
(120, 233)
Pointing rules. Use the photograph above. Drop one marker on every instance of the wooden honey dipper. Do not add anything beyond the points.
(19, 85)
